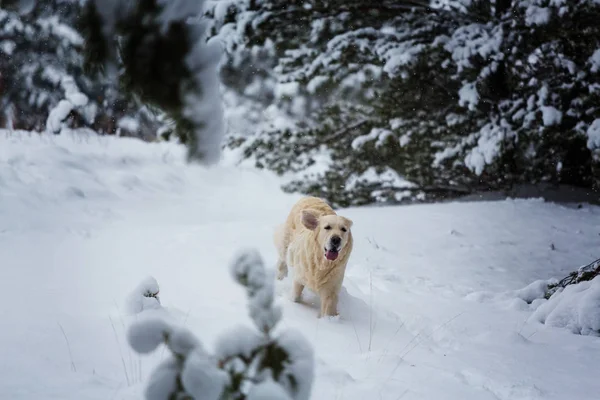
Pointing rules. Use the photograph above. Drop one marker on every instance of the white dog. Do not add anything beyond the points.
(317, 243)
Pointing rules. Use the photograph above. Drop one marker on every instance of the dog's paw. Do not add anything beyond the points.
(282, 274)
(296, 299)
(334, 318)
(331, 318)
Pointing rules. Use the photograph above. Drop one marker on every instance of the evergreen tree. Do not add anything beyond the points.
(453, 98)
(158, 51)
(44, 85)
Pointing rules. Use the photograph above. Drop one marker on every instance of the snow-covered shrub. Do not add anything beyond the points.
(576, 308)
(252, 364)
(572, 303)
(583, 273)
(144, 297)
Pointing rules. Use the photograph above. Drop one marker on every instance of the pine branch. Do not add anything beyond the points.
(339, 133)
(358, 9)
(584, 273)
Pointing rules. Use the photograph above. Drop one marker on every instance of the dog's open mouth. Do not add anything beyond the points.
(331, 254)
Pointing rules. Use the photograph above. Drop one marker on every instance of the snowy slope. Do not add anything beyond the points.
(428, 310)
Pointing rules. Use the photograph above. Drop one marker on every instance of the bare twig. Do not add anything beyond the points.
(370, 310)
(418, 343)
(390, 341)
(73, 368)
(356, 334)
(132, 364)
(402, 395)
(120, 351)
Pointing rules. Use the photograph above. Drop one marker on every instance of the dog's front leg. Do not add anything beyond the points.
(297, 291)
(329, 302)
(282, 269)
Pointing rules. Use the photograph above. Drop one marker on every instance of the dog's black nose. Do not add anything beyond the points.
(336, 241)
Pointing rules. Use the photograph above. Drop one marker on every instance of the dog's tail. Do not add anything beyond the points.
(279, 239)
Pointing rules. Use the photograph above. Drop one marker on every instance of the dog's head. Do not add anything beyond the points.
(332, 232)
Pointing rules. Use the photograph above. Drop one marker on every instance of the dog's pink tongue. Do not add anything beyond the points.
(331, 255)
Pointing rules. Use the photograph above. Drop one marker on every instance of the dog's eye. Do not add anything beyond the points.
(344, 230)
(327, 228)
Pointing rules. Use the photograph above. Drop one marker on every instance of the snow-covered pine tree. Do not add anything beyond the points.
(37, 50)
(264, 39)
(454, 97)
(248, 364)
(245, 70)
(43, 85)
(158, 51)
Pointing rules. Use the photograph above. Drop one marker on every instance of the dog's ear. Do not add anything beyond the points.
(309, 220)
(349, 223)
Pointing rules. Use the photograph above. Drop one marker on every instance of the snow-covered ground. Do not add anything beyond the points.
(430, 308)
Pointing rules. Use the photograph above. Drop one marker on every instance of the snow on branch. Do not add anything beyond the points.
(247, 364)
(167, 60)
(144, 297)
(74, 100)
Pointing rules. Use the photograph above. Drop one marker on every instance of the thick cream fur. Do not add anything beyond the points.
(303, 249)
